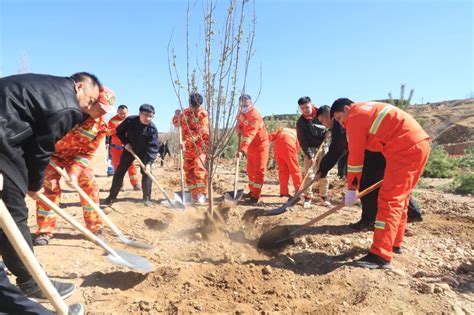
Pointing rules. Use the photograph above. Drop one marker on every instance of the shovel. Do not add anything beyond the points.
(18, 242)
(118, 257)
(252, 214)
(183, 196)
(232, 197)
(101, 213)
(281, 236)
(176, 204)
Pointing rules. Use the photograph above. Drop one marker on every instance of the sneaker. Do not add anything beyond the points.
(147, 203)
(325, 202)
(372, 261)
(32, 290)
(137, 187)
(362, 225)
(397, 250)
(108, 201)
(307, 203)
(42, 239)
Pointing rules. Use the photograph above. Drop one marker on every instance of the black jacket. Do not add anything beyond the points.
(143, 138)
(35, 111)
(337, 149)
(310, 134)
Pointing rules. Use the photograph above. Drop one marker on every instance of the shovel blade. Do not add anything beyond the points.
(187, 197)
(135, 243)
(276, 238)
(175, 204)
(232, 196)
(131, 261)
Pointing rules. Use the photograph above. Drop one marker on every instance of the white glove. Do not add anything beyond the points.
(350, 197)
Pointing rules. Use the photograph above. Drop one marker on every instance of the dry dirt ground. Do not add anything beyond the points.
(226, 274)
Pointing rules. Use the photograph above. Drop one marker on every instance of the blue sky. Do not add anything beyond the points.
(324, 49)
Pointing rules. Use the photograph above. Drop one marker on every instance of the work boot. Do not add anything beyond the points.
(42, 239)
(362, 225)
(32, 290)
(108, 201)
(137, 187)
(372, 261)
(325, 202)
(414, 219)
(307, 203)
(256, 202)
(397, 250)
(247, 195)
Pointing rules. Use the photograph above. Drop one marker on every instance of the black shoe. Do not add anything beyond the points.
(108, 201)
(287, 195)
(418, 218)
(256, 202)
(32, 290)
(362, 225)
(247, 195)
(397, 250)
(76, 309)
(372, 261)
(42, 239)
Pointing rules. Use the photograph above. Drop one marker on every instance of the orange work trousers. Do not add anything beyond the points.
(257, 158)
(402, 172)
(195, 172)
(116, 153)
(288, 166)
(46, 218)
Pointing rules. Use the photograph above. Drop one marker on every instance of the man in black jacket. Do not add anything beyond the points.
(35, 111)
(311, 134)
(137, 133)
(373, 171)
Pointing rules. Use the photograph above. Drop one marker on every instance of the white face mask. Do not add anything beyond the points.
(245, 109)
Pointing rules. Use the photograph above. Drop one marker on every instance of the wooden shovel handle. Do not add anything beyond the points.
(28, 258)
(89, 200)
(341, 205)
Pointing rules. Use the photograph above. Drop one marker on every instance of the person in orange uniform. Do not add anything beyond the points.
(74, 153)
(381, 127)
(254, 143)
(116, 147)
(285, 150)
(195, 132)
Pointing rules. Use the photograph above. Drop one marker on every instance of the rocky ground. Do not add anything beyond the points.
(223, 272)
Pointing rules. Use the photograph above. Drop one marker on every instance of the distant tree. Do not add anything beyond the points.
(401, 103)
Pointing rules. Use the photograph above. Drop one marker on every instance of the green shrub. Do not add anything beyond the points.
(464, 184)
(467, 161)
(440, 165)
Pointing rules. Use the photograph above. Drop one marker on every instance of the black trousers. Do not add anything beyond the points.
(12, 300)
(342, 166)
(125, 161)
(14, 200)
(372, 172)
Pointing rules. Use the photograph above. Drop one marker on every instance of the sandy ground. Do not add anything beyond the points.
(225, 273)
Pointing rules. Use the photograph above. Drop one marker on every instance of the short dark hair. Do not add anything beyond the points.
(304, 100)
(122, 107)
(338, 105)
(325, 109)
(195, 99)
(147, 108)
(83, 76)
(245, 97)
